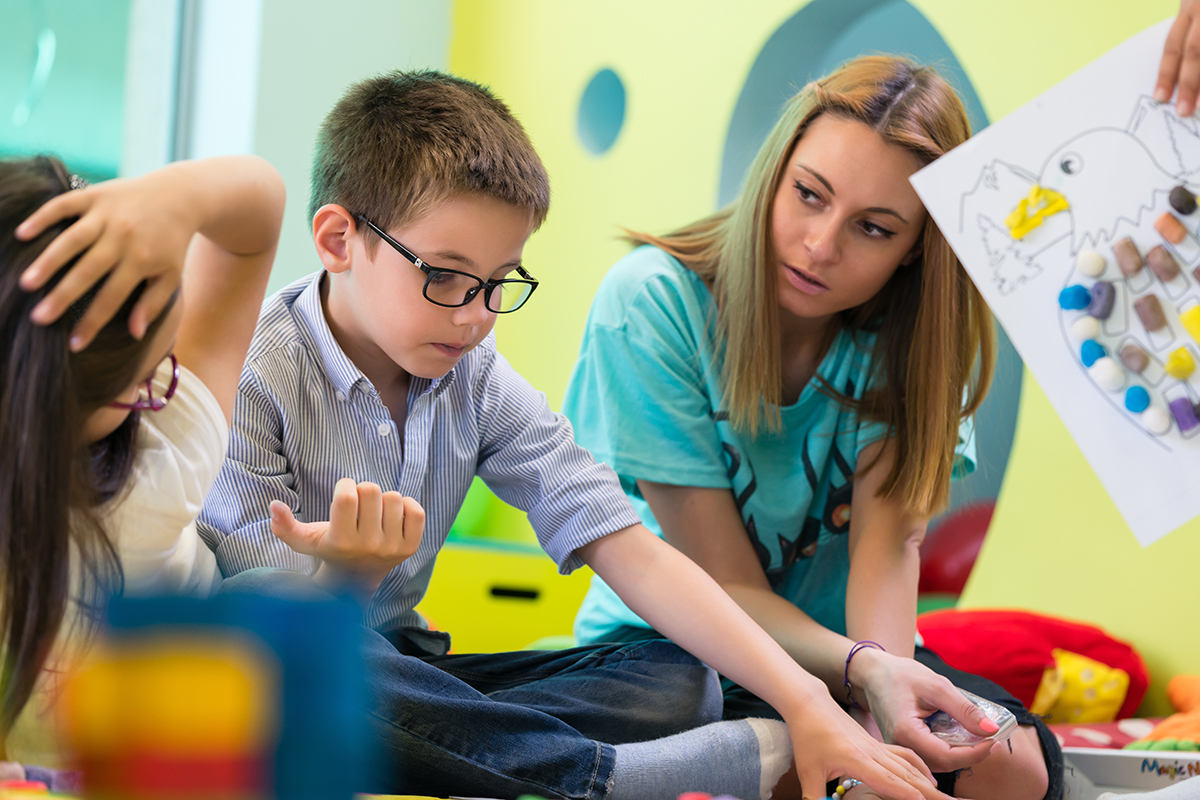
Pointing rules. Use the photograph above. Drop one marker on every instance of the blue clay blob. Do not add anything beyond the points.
(1090, 351)
(1137, 399)
(1074, 298)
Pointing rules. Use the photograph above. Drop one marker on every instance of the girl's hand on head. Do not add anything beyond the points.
(1180, 65)
(829, 745)
(369, 533)
(129, 231)
(902, 692)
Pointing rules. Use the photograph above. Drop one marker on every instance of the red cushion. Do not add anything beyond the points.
(948, 553)
(1013, 648)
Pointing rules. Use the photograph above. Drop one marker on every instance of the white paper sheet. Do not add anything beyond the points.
(1100, 140)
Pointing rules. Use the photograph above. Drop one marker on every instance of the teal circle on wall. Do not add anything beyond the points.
(601, 111)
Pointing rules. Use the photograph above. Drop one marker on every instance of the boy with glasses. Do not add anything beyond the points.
(383, 369)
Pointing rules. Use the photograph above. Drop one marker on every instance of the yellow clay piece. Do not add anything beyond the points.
(1033, 209)
(1180, 364)
(1191, 321)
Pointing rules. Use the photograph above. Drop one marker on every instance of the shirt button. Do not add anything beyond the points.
(341, 397)
(384, 428)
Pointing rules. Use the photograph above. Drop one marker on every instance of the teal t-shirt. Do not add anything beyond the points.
(644, 398)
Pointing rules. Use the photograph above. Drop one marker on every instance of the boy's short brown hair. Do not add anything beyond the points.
(396, 145)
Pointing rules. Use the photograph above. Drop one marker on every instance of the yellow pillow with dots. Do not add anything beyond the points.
(1079, 689)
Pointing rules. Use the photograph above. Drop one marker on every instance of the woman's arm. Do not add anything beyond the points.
(704, 525)
(881, 606)
(679, 599)
(885, 559)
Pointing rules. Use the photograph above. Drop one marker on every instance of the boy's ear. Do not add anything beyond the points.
(333, 227)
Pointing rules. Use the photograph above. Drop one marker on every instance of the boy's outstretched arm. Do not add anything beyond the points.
(680, 600)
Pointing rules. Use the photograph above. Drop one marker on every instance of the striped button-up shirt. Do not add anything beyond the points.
(305, 417)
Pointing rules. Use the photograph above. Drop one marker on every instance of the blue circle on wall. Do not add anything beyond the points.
(601, 111)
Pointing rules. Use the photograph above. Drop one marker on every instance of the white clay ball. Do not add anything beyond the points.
(1156, 420)
(1090, 263)
(1084, 328)
(1107, 374)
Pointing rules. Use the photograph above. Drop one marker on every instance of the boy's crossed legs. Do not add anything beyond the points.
(553, 723)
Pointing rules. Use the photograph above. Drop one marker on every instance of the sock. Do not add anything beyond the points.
(744, 758)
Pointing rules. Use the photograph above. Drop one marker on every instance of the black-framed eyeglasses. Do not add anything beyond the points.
(451, 288)
(149, 402)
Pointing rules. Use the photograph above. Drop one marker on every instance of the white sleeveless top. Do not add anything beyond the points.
(152, 524)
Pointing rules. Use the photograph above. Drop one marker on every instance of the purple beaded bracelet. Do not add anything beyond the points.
(846, 675)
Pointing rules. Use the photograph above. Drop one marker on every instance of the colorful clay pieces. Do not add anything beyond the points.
(1090, 263)
(1170, 228)
(1107, 374)
(1163, 264)
(1150, 312)
(1100, 305)
(1134, 358)
(1074, 298)
(1184, 413)
(1182, 200)
(1156, 390)
(1128, 257)
(1180, 364)
(1137, 399)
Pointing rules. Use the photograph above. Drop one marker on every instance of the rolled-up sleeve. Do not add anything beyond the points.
(529, 458)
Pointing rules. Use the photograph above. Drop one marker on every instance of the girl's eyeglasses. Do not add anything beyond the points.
(147, 401)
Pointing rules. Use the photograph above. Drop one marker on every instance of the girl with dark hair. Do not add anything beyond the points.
(781, 386)
(127, 309)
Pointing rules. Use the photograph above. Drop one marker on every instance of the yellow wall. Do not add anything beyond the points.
(1057, 544)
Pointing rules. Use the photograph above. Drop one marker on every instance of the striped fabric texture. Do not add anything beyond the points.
(306, 417)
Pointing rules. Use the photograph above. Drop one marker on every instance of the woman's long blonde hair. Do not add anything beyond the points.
(935, 346)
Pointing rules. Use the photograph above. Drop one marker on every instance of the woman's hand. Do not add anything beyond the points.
(129, 231)
(1180, 65)
(369, 533)
(829, 745)
(902, 692)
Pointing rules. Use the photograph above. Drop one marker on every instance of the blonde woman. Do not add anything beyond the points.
(781, 387)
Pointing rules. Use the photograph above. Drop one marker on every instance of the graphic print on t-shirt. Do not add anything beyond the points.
(778, 552)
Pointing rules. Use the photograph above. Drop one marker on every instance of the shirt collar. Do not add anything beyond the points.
(338, 367)
(342, 372)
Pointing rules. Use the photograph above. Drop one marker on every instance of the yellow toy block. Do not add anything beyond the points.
(492, 598)
(183, 696)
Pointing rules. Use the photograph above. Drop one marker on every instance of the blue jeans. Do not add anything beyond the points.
(507, 724)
